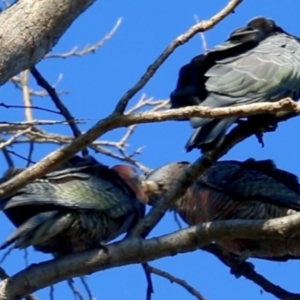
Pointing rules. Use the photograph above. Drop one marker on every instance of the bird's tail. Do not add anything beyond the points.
(36, 230)
(209, 135)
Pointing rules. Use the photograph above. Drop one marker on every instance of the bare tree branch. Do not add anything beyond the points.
(87, 49)
(116, 120)
(179, 281)
(179, 41)
(202, 36)
(134, 250)
(74, 290)
(150, 289)
(112, 121)
(249, 273)
(87, 288)
(4, 275)
(190, 239)
(41, 81)
(14, 138)
(180, 186)
(29, 107)
(26, 96)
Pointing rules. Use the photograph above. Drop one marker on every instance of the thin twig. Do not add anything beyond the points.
(179, 281)
(13, 138)
(179, 41)
(26, 96)
(41, 81)
(150, 289)
(87, 49)
(6, 3)
(202, 36)
(26, 257)
(116, 120)
(176, 219)
(74, 290)
(87, 288)
(20, 156)
(32, 107)
(4, 124)
(24, 80)
(6, 254)
(30, 153)
(51, 292)
(7, 156)
(249, 273)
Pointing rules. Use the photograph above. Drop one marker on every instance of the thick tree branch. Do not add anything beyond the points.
(116, 121)
(179, 187)
(4, 275)
(285, 106)
(133, 250)
(29, 29)
(179, 41)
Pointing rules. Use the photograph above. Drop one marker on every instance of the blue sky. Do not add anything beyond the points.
(97, 81)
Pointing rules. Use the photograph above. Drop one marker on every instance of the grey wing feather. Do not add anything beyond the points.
(86, 192)
(268, 71)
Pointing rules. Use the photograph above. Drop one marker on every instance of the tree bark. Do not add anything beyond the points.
(29, 29)
(135, 250)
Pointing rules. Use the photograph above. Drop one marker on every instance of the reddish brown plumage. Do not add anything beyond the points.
(236, 190)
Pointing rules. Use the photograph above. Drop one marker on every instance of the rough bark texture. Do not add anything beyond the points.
(29, 29)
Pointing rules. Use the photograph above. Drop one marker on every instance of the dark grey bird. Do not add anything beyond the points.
(248, 190)
(80, 206)
(257, 63)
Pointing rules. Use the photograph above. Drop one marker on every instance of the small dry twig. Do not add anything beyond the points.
(249, 273)
(87, 288)
(74, 289)
(179, 281)
(87, 49)
(202, 36)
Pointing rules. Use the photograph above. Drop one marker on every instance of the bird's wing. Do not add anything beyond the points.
(96, 188)
(267, 72)
(247, 183)
(269, 168)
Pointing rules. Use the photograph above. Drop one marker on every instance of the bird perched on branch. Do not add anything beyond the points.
(257, 63)
(80, 206)
(249, 190)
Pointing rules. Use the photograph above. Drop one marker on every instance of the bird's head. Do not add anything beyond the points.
(265, 25)
(132, 178)
(159, 181)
